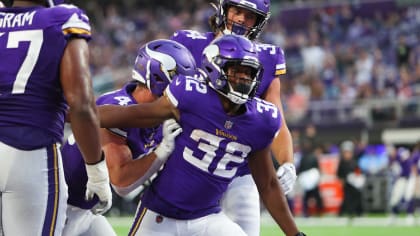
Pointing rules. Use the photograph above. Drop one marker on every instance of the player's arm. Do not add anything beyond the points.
(139, 115)
(282, 145)
(120, 161)
(77, 87)
(127, 173)
(271, 194)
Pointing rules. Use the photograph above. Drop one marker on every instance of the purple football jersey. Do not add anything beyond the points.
(209, 151)
(32, 42)
(271, 57)
(140, 141)
(404, 160)
(416, 159)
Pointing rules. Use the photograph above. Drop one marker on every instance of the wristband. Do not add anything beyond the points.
(102, 158)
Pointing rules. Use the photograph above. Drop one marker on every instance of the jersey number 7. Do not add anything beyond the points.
(35, 38)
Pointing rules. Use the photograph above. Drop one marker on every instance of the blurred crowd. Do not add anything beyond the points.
(335, 53)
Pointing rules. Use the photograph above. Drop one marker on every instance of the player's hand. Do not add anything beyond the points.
(287, 177)
(98, 183)
(171, 129)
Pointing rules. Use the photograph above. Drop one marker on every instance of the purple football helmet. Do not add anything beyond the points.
(159, 60)
(50, 3)
(226, 51)
(260, 7)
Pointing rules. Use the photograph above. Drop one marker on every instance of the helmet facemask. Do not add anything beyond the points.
(241, 79)
(258, 7)
(232, 68)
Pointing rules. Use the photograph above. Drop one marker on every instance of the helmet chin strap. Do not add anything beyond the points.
(237, 29)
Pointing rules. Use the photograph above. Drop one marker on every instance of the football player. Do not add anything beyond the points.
(248, 17)
(404, 169)
(416, 158)
(131, 153)
(224, 128)
(44, 75)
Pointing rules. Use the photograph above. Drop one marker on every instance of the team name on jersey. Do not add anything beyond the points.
(11, 20)
(226, 135)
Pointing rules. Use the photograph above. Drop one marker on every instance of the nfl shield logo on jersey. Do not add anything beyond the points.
(228, 124)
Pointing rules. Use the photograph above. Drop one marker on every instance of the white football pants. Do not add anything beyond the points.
(148, 222)
(241, 203)
(82, 222)
(33, 191)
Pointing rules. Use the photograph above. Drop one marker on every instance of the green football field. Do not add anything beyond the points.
(333, 228)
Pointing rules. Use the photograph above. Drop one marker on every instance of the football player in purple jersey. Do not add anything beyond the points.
(224, 128)
(416, 157)
(44, 75)
(248, 17)
(404, 169)
(132, 154)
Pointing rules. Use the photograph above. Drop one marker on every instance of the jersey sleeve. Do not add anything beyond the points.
(270, 118)
(75, 24)
(181, 36)
(116, 98)
(187, 93)
(274, 64)
(280, 62)
(175, 92)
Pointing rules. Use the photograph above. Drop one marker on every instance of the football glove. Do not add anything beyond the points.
(171, 129)
(98, 183)
(287, 177)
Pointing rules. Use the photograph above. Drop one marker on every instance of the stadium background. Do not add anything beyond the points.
(353, 71)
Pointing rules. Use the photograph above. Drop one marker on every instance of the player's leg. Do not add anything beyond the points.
(409, 199)
(241, 203)
(99, 226)
(74, 221)
(83, 222)
(1, 214)
(397, 192)
(77, 221)
(147, 222)
(34, 192)
(410, 188)
(219, 224)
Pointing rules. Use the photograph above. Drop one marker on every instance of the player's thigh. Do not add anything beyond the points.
(398, 190)
(147, 222)
(410, 188)
(242, 197)
(82, 222)
(34, 192)
(77, 222)
(417, 187)
(241, 203)
(219, 224)
(100, 227)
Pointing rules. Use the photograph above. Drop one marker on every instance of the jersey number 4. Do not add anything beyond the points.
(35, 38)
